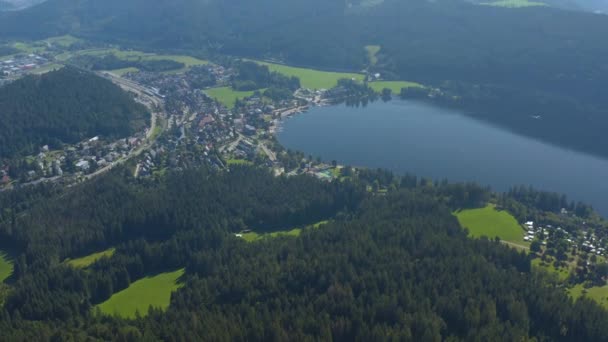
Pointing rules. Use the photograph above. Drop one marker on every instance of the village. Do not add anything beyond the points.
(19, 65)
(191, 129)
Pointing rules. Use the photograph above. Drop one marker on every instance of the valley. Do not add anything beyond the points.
(303, 170)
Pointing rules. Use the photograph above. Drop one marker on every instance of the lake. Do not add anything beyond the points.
(432, 142)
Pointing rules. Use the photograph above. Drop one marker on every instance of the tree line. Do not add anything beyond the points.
(63, 107)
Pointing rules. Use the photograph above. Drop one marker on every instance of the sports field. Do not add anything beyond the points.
(152, 291)
(490, 222)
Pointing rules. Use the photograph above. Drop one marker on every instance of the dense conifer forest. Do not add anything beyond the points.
(394, 266)
(64, 106)
(499, 64)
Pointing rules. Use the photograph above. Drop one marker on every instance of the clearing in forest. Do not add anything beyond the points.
(597, 293)
(148, 292)
(253, 236)
(88, 260)
(6, 266)
(490, 222)
(311, 78)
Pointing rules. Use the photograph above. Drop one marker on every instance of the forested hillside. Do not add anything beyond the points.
(64, 106)
(394, 266)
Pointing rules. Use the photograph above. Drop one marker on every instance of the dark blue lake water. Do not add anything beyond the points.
(421, 139)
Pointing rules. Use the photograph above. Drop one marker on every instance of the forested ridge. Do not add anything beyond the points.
(64, 106)
(396, 266)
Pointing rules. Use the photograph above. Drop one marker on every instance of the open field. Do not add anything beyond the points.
(491, 223)
(88, 260)
(310, 78)
(6, 266)
(562, 273)
(139, 296)
(514, 3)
(372, 51)
(227, 96)
(132, 55)
(394, 86)
(253, 236)
(42, 45)
(599, 294)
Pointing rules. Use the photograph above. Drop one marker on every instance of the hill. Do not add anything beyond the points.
(64, 106)
(397, 265)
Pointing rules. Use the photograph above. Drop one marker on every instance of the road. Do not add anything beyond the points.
(516, 245)
(271, 155)
(153, 103)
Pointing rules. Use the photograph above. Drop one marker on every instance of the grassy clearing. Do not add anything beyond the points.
(394, 86)
(6, 266)
(88, 260)
(597, 293)
(372, 51)
(310, 78)
(42, 45)
(238, 162)
(132, 55)
(491, 223)
(253, 236)
(139, 296)
(561, 273)
(227, 96)
(514, 3)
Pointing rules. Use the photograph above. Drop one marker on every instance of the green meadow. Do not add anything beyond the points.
(88, 260)
(253, 236)
(311, 78)
(227, 96)
(597, 293)
(152, 291)
(394, 86)
(514, 3)
(490, 222)
(42, 45)
(562, 273)
(132, 55)
(6, 266)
